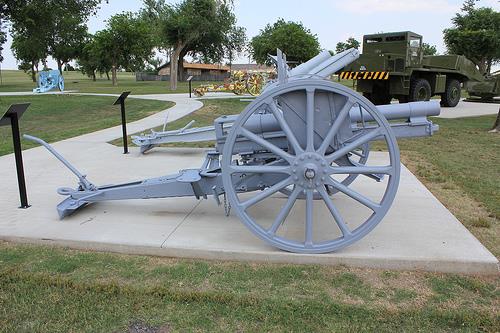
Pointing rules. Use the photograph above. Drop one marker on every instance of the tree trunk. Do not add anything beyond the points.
(180, 65)
(496, 126)
(93, 76)
(59, 66)
(107, 75)
(33, 72)
(113, 74)
(174, 60)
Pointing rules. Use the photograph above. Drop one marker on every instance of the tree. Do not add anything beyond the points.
(29, 51)
(37, 24)
(496, 126)
(476, 35)
(296, 41)
(350, 43)
(428, 49)
(89, 59)
(234, 43)
(192, 26)
(67, 40)
(128, 42)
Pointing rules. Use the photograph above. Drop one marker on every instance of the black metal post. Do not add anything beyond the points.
(16, 138)
(121, 100)
(124, 126)
(189, 88)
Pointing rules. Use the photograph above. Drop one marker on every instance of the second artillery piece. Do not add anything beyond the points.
(289, 163)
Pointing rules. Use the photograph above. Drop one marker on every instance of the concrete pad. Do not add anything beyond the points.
(418, 233)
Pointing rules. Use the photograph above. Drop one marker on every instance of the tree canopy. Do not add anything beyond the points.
(476, 35)
(128, 42)
(350, 43)
(428, 49)
(47, 27)
(198, 27)
(295, 40)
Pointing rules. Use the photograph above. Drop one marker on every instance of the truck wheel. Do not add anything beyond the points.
(420, 90)
(452, 94)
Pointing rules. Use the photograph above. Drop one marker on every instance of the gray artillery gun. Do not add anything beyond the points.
(291, 162)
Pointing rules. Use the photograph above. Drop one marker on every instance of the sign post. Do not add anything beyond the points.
(189, 80)
(12, 117)
(121, 100)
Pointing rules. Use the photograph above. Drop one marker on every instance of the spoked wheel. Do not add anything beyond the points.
(60, 84)
(254, 84)
(315, 118)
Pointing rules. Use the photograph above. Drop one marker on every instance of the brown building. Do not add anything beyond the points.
(198, 70)
(251, 68)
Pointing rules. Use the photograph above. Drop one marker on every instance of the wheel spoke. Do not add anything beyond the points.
(260, 169)
(309, 218)
(266, 193)
(283, 214)
(364, 170)
(284, 126)
(335, 213)
(310, 119)
(353, 194)
(335, 126)
(353, 145)
(265, 144)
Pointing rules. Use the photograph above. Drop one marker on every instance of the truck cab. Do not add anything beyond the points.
(401, 70)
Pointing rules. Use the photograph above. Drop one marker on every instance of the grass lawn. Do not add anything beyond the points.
(58, 117)
(15, 80)
(44, 289)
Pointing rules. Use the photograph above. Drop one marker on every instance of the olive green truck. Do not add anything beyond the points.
(401, 71)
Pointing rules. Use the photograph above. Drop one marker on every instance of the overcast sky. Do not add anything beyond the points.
(331, 20)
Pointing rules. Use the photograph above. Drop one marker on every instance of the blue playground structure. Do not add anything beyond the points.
(48, 80)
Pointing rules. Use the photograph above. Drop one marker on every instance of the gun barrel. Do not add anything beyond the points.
(307, 66)
(399, 111)
(324, 64)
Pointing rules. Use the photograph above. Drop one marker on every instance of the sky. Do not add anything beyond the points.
(331, 20)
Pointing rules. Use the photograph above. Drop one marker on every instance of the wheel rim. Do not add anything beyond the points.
(307, 169)
(454, 94)
(422, 94)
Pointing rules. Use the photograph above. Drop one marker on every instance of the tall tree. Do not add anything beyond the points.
(128, 41)
(193, 26)
(29, 51)
(67, 40)
(476, 35)
(295, 40)
(38, 22)
(428, 49)
(234, 44)
(350, 43)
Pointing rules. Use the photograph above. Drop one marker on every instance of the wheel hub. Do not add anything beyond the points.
(309, 170)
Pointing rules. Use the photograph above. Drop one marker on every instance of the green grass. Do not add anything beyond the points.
(58, 117)
(205, 116)
(45, 289)
(14, 80)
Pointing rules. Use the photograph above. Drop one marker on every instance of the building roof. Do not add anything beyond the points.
(251, 67)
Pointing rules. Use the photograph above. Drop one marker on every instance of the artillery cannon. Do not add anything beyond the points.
(48, 80)
(302, 144)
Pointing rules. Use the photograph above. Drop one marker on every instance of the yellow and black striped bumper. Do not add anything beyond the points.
(364, 75)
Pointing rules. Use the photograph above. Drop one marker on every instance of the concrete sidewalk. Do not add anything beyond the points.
(418, 233)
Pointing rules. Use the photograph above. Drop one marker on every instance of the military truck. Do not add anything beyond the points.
(486, 90)
(408, 74)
